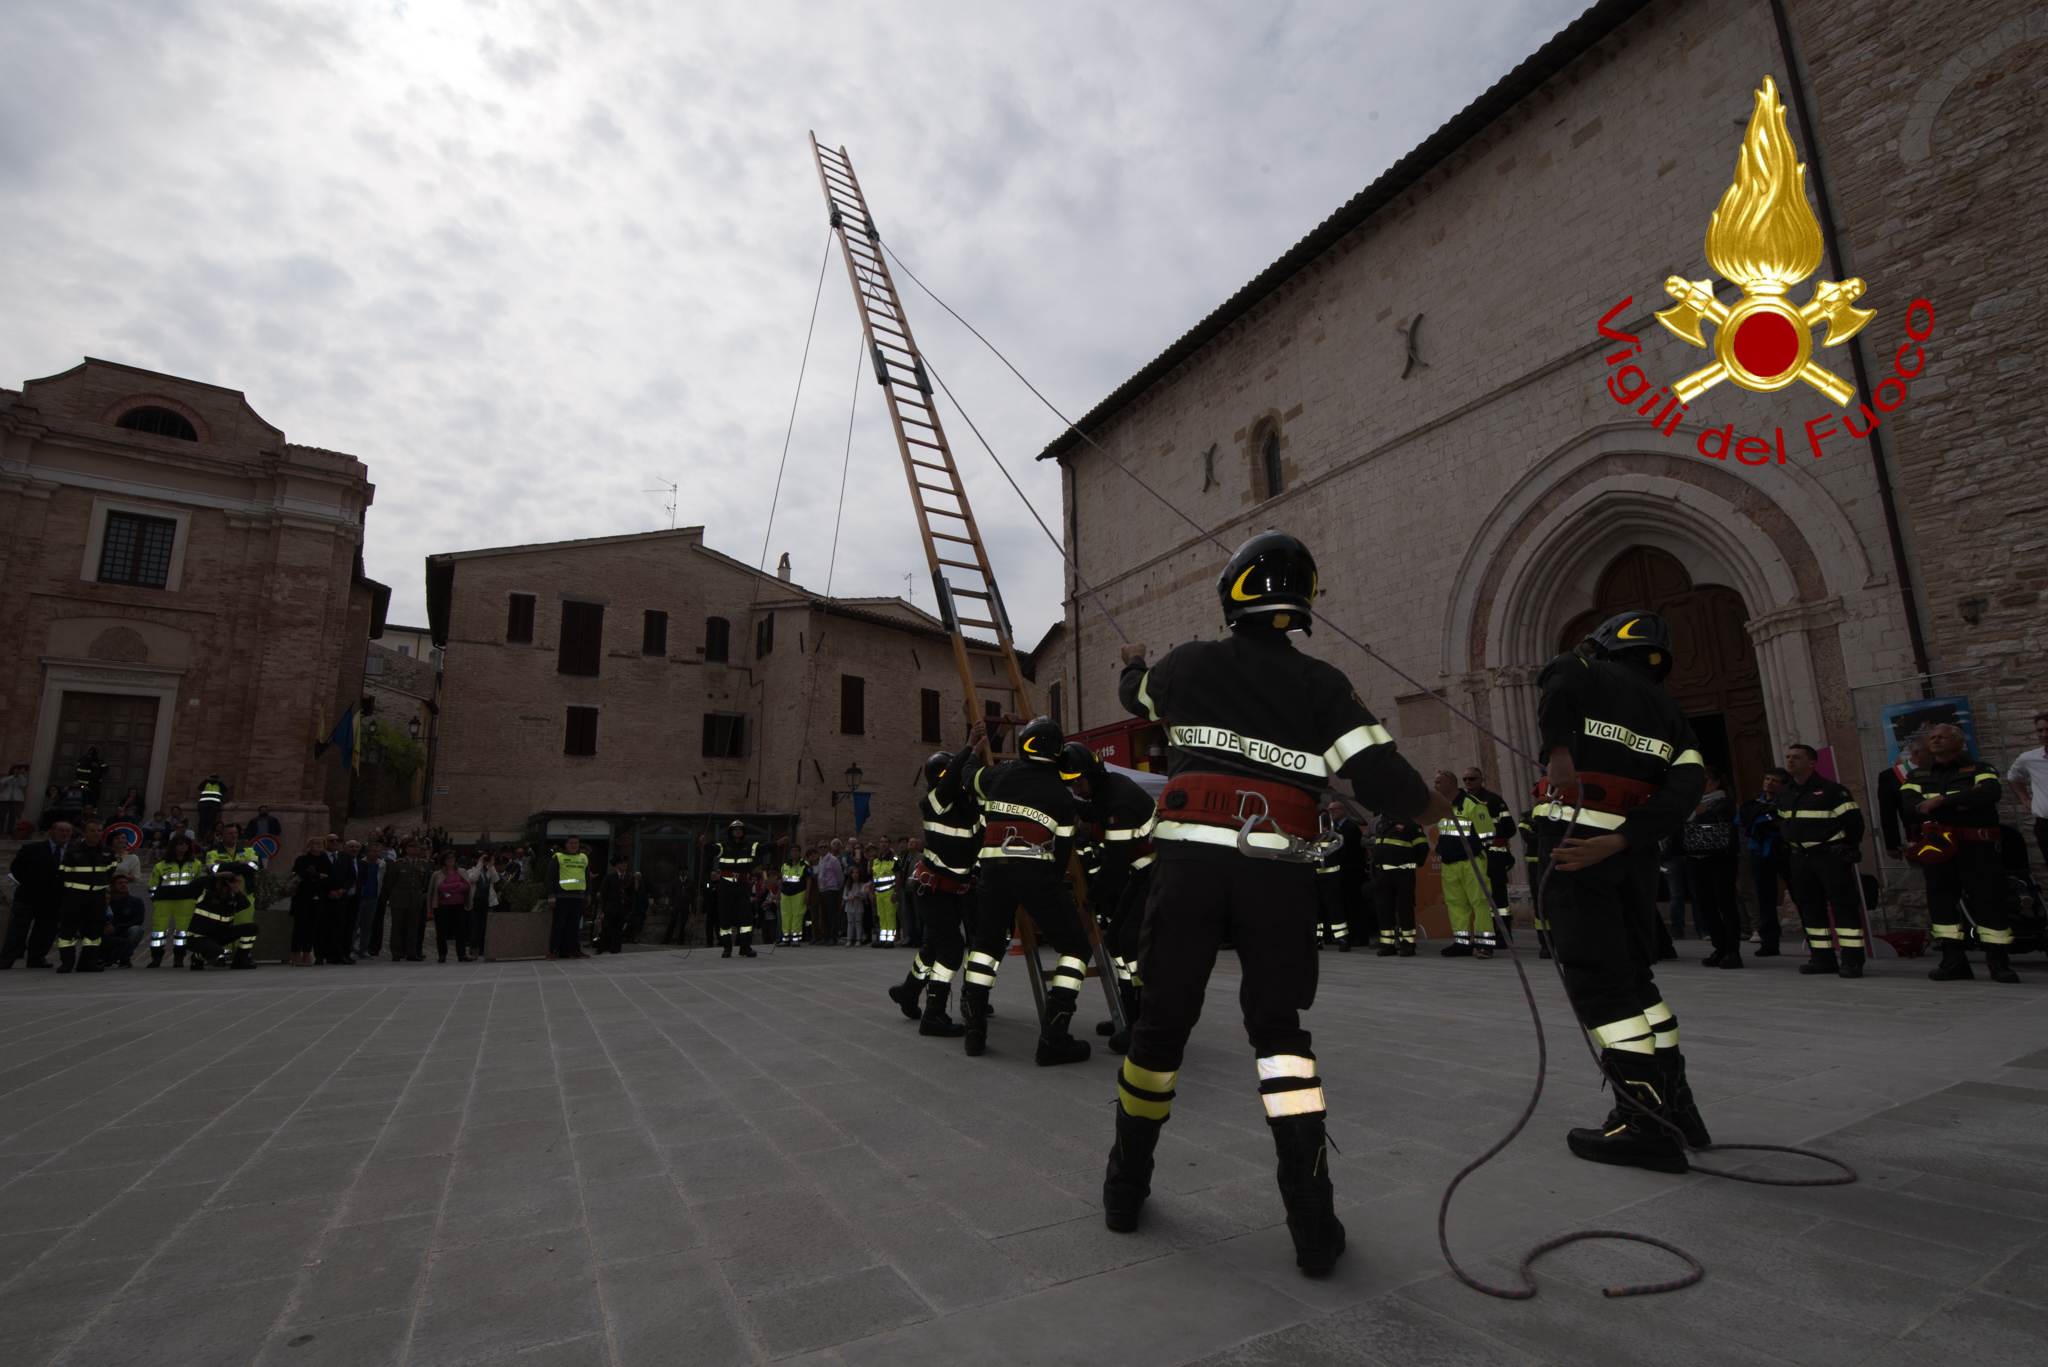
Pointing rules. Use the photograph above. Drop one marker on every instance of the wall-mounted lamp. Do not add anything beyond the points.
(1973, 609)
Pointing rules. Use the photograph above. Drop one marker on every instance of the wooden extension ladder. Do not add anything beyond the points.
(937, 495)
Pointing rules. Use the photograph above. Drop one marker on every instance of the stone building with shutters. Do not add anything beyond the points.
(619, 686)
(1420, 389)
(184, 594)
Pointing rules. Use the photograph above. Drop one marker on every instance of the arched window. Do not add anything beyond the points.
(160, 422)
(1269, 463)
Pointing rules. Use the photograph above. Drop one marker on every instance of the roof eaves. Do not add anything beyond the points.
(1572, 42)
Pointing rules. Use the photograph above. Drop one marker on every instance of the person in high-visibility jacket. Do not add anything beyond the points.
(882, 870)
(1823, 827)
(1462, 840)
(211, 794)
(223, 924)
(174, 885)
(795, 887)
(87, 870)
(1951, 801)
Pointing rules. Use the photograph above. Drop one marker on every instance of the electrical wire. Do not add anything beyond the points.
(1499, 915)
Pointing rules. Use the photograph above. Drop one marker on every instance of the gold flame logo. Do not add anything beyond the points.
(1765, 238)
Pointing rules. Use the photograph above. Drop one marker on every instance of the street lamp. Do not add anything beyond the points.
(853, 772)
(413, 727)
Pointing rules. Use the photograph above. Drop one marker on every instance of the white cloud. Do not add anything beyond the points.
(528, 259)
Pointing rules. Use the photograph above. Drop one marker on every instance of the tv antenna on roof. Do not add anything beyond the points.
(665, 487)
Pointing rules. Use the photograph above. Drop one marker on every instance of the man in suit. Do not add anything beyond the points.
(338, 926)
(38, 889)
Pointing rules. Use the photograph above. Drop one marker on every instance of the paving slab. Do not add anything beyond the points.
(666, 1157)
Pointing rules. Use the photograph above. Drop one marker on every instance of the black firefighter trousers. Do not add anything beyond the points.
(1603, 928)
(1035, 885)
(1267, 910)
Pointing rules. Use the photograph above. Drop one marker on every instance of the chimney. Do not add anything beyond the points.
(782, 568)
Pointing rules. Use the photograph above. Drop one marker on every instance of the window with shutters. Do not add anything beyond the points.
(654, 633)
(582, 645)
(581, 736)
(853, 707)
(764, 635)
(137, 550)
(725, 736)
(519, 619)
(928, 704)
(717, 638)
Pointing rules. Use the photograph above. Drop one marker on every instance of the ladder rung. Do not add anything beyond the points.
(974, 622)
(943, 469)
(958, 564)
(894, 347)
(943, 512)
(948, 536)
(938, 488)
(925, 425)
(929, 446)
(967, 593)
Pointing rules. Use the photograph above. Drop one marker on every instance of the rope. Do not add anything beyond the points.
(801, 367)
(831, 565)
(1503, 923)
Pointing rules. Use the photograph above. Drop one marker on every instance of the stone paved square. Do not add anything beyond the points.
(663, 1158)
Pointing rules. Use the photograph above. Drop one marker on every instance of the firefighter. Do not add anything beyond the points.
(882, 871)
(1333, 870)
(174, 884)
(223, 923)
(1953, 800)
(86, 871)
(1027, 837)
(211, 794)
(1461, 844)
(1624, 772)
(230, 853)
(796, 883)
(1823, 827)
(1124, 813)
(737, 858)
(1532, 870)
(945, 890)
(1258, 729)
(1398, 849)
(1500, 854)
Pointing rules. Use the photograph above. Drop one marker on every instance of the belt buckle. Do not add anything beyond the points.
(1295, 852)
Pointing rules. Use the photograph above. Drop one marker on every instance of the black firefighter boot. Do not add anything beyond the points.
(974, 1015)
(156, 957)
(1056, 1043)
(1634, 1135)
(1543, 944)
(1820, 961)
(67, 959)
(242, 959)
(1306, 1192)
(89, 960)
(177, 956)
(1954, 963)
(1998, 963)
(747, 945)
(906, 994)
(1685, 1113)
(1128, 1180)
(1852, 964)
(934, 1020)
(1133, 998)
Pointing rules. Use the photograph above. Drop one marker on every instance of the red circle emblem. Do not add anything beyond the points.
(1766, 344)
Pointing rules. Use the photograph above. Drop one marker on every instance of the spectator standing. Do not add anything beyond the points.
(38, 893)
(368, 927)
(125, 917)
(614, 905)
(830, 882)
(856, 898)
(1677, 881)
(453, 894)
(2029, 776)
(568, 882)
(63, 804)
(1710, 859)
(488, 882)
(404, 898)
(1767, 861)
(13, 793)
(312, 879)
(338, 929)
(133, 808)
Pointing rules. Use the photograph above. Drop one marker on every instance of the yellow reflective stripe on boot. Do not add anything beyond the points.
(1947, 932)
(1144, 1093)
(1288, 1085)
(1633, 1034)
(1986, 935)
(1069, 968)
(1663, 1025)
(980, 969)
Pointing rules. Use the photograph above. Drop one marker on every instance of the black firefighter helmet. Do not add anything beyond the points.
(935, 768)
(1042, 740)
(1270, 580)
(1640, 636)
(1077, 761)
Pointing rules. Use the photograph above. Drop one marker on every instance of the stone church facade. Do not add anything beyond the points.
(185, 594)
(1421, 391)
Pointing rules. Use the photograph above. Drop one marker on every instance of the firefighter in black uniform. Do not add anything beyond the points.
(1624, 772)
(1532, 869)
(1256, 731)
(737, 857)
(1953, 803)
(1027, 837)
(1398, 849)
(87, 871)
(1124, 814)
(1823, 827)
(1338, 876)
(945, 891)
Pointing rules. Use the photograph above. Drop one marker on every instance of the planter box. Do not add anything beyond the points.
(518, 934)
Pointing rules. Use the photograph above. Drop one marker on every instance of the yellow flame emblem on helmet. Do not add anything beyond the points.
(1623, 634)
(1237, 589)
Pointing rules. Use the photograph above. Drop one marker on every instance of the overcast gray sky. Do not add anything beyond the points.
(528, 259)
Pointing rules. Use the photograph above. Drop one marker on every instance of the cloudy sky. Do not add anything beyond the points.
(530, 260)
